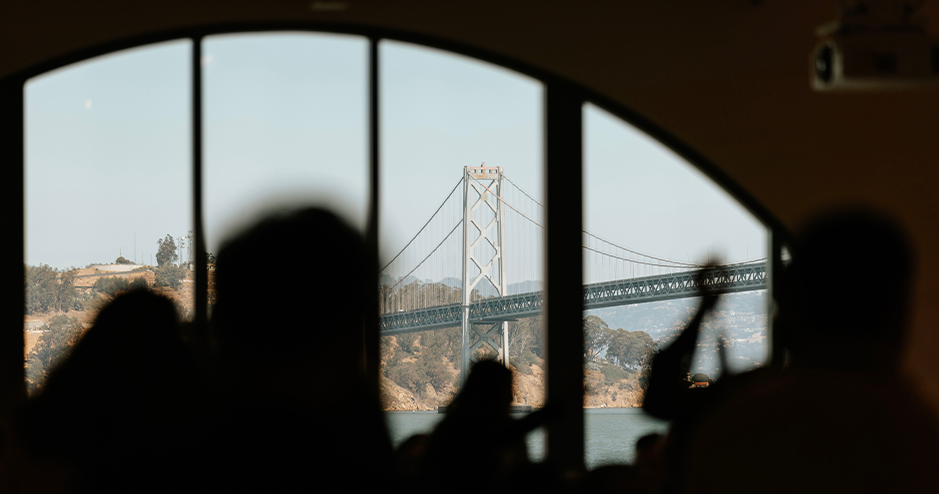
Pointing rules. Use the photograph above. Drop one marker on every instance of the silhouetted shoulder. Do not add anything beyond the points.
(815, 431)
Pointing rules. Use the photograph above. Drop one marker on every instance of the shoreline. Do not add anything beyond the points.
(533, 409)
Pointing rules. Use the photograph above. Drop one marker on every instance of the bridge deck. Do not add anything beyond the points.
(684, 284)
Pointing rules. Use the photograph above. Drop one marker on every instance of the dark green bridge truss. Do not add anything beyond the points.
(684, 284)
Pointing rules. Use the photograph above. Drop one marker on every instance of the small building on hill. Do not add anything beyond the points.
(118, 268)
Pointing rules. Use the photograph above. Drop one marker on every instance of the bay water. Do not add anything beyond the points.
(611, 433)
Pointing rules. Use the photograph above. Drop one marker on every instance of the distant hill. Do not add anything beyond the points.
(741, 317)
(484, 288)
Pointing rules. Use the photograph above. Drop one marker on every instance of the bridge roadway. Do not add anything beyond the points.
(684, 284)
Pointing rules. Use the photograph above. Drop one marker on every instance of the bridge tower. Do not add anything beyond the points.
(483, 258)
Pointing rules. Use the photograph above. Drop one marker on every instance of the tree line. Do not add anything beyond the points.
(630, 349)
(53, 346)
(50, 290)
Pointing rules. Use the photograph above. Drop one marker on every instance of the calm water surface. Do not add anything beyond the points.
(611, 432)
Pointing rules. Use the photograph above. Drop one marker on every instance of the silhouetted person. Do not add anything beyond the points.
(407, 461)
(650, 465)
(478, 434)
(840, 417)
(296, 408)
(672, 396)
(669, 395)
(121, 412)
(623, 479)
(846, 294)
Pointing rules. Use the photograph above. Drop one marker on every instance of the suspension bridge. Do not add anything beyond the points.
(455, 271)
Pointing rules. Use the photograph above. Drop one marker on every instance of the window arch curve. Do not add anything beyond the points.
(563, 146)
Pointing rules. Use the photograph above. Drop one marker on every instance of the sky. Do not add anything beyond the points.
(108, 153)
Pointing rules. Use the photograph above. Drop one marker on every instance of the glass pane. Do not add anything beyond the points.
(650, 219)
(107, 178)
(454, 127)
(285, 125)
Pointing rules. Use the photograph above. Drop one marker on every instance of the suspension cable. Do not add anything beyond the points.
(686, 264)
(673, 262)
(522, 190)
(506, 203)
(425, 225)
(428, 255)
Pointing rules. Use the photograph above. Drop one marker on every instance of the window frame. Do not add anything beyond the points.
(563, 126)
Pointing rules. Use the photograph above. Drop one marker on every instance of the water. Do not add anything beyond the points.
(611, 433)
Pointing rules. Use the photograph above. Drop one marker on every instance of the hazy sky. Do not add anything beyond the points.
(107, 155)
(108, 150)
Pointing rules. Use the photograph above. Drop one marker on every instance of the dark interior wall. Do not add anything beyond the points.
(729, 78)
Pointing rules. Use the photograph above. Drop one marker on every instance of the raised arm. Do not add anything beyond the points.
(668, 396)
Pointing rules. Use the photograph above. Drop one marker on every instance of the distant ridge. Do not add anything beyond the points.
(485, 288)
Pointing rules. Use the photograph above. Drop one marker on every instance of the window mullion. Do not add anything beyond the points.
(564, 273)
(372, 323)
(201, 272)
(12, 294)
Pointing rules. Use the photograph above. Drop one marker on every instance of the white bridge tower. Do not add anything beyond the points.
(483, 259)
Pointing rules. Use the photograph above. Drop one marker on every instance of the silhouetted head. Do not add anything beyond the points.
(649, 460)
(488, 390)
(613, 478)
(407, 460)
(133, 347)
(126, 387)
(646, 444)
(294, 287)
(846, 290)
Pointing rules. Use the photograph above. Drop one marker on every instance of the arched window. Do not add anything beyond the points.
(510, 207)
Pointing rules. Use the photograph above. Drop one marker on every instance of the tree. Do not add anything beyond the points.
(169, 275)
(526, 335)
(633, 350)
(40, 281)
(166, 251)
(596, 336)
(111, 285)
(114, 285)
(642, 349)
(53, 346)
(49, 289)
(139, 284)
(122, 260)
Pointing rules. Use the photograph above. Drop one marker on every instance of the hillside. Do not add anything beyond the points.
(48, 333)
(740, 317)
(420, 370)
(418, 376)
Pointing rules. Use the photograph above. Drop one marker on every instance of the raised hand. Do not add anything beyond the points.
(666, 396)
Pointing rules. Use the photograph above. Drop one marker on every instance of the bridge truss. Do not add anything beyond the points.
(482, 307)
(685, 284)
